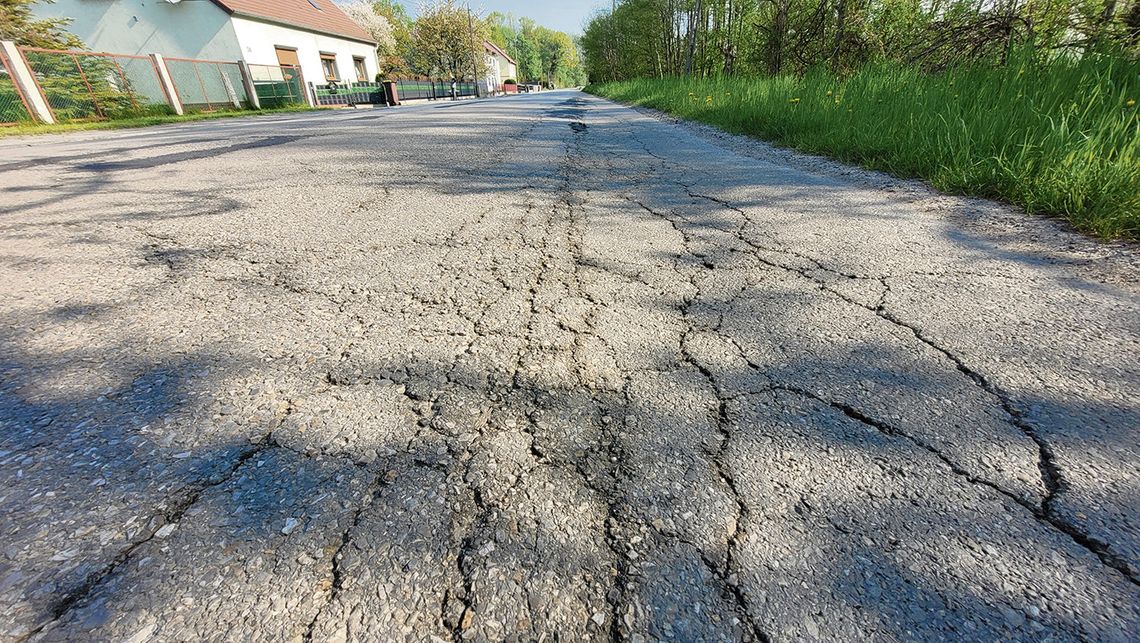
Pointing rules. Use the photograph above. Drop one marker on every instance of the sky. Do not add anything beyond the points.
(561, 15)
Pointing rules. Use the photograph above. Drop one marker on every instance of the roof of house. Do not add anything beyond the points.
(493, 48)
(321, 16)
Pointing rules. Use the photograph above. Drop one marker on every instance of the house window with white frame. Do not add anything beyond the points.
(328, 66)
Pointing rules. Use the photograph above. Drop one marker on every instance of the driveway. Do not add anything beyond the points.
(549, 368)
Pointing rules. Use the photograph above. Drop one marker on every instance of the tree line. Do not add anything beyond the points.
(445, 40)
(656, 38)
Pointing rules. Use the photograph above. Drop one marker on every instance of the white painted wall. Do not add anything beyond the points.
(197, 29)
(498, 70)
(258, 41)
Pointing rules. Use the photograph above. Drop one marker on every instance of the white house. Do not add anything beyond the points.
(312, 34)
(500, 66)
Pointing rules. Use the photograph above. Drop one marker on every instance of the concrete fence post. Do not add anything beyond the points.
(26, 82)
(250, 88)
(167, 83)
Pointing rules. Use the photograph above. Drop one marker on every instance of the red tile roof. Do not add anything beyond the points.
(493, 48)
(321, 16)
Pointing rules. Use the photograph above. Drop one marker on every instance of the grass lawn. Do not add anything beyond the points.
(1059, 139)
(139, 121)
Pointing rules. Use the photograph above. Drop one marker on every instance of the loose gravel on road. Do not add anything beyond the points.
(549, 368)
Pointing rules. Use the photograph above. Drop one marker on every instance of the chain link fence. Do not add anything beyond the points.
(80, 85)
(278, 86)
(207, 85)
(13, 109)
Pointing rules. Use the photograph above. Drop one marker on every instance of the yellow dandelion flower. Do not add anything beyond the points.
(1131, 102)
(829, 92)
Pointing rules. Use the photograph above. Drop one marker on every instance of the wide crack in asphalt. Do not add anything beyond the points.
(538, 470)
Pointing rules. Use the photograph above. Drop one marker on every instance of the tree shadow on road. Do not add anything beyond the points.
(731, 442)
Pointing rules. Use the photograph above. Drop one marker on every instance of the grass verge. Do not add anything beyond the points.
(1058, 139)
(139, 121)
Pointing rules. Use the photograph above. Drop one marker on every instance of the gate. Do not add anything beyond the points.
(278, 86)
(207, 85)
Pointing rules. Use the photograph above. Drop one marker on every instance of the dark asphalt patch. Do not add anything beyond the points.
(178, 157)
(572, 109)
(32, 163)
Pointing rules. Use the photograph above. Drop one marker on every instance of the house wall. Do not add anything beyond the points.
(183, 30)
(498, 70)
(258, 42)
(200, 29)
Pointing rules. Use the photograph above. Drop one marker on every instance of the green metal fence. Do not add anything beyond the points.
(431, 89)
(80, 85)
(278, 86)
(13, 110)
(349, 93)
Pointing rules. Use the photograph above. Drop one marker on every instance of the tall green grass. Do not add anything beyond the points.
(1059, 139)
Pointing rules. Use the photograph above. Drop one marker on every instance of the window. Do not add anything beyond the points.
(287, 56)
(361, 70)
(328, 65)
(290, 63)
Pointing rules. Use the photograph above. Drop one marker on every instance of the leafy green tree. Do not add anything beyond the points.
(527, 57)
(501, 29)
(397, 61)
(557, 53)
(447, 41)
(18, 24)
(712, 37)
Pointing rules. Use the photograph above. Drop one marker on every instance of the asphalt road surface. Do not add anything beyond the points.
(546, 368)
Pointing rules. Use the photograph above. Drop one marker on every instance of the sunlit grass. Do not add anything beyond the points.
(1060, 139)
(24, 129)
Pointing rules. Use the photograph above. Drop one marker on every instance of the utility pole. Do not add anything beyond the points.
(613, 38)
(475, 53)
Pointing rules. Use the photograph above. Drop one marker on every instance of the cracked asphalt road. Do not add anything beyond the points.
(547, 368)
